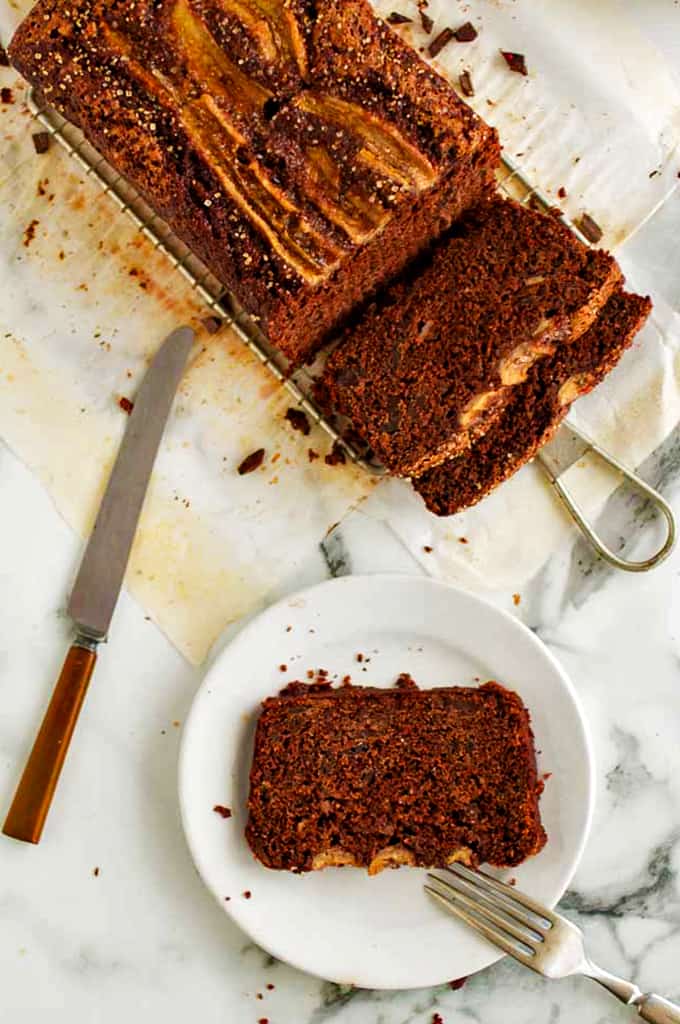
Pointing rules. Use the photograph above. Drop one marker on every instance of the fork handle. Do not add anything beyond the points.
(657, 1010)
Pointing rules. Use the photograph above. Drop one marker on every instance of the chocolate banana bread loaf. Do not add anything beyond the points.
(299, 147)
(535, 410)
(435, 359)
(379, 778)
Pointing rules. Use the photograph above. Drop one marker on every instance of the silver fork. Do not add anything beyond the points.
(539, 938)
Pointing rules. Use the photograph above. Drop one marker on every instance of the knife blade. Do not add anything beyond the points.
(98, 583)
(566, 448)
(100, 577)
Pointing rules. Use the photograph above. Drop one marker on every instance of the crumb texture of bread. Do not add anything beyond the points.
(432, 363)
(300, 148)
(536, 409)
(372, 778)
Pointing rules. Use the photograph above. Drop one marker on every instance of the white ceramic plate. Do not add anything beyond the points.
(380, 932)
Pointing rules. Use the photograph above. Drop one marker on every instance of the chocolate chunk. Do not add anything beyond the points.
(298, 420)
(251, 462)
(590, 228)
(4, 59)
(336, 456)
(395, 18)
(223, 812)
(125, 404)
(457, 983)
(465, 83)
(6, 95)
(426, 21)
(466, 33)
(41, 141)
(515, 62)
(440, 41)
(312, 455)
(212, 324)
(562, 192)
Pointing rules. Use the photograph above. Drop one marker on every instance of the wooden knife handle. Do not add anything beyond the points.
(36, 788)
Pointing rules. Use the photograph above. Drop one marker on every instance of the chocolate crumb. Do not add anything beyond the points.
(515, 61)
(405, 681)
(346, 680)
(270, 986)
(95, 872)
(29, 232)
(251, 462)
(360, 656)
(466, 33)
(427, 549)
(465, 83)
(312, 455)
(247, 894)
(440, 41)
(457, 983)
(437, 1018)
(227, 898)
(212, 324)
(463, 540)
(125, 404)
(653, 174)
(263, 1020)
(546, 775)
(298, 420)
(336, 456)
(590, 228)
(6, 95)
(258, 995)
(283, 668)
(41, 141)
(395, 18)
(516, 599)
(426, 21)
(562, 192)
(223, 811)
(4, 59)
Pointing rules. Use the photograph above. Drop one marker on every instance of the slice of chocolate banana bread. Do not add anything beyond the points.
(379, 778)
(535, 410)
(300, 148)
(434, 361)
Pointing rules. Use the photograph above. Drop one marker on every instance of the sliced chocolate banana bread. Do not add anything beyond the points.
(535, 410)
(301, 148)
(381, 778)
(431, 364)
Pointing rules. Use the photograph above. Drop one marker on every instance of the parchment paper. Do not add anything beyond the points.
(84, 302)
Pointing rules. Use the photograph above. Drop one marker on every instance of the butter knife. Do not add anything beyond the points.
(568, 447)
(98, 583)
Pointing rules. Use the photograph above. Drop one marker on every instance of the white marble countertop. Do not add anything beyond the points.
(107, 917)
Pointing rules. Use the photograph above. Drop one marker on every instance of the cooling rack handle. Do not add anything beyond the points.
(578, 442)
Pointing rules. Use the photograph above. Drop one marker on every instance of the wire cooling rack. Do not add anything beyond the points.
(511, 181)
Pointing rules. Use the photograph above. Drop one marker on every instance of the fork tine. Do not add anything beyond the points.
(518, 930)
(498, 901)
(494, 936)
(488, 884)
